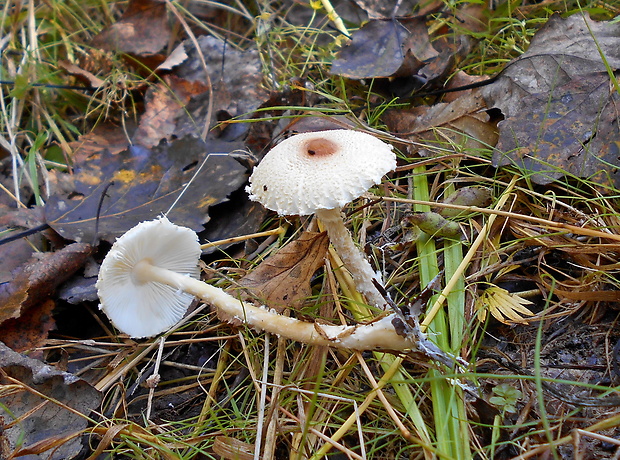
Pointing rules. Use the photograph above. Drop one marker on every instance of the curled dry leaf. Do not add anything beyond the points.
(228, 447)
(435, 224)
(92, 80)
(477, 196)
(36, 281)
(283, 279)
(174, 59)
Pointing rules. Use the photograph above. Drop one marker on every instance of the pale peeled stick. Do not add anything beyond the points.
(319, 170)
(144, 309)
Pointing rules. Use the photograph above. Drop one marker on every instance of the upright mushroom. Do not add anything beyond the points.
(148, 279)
(319, 173)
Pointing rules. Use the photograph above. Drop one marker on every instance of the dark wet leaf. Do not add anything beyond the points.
(146, 183)
(237, 217)
(399, 48)
(440, 67)
(283, 279)
(261, 133)
(559, 105)
(321, 123)
(49, 403)
(377, 49)
(236, 77)
(79, 289)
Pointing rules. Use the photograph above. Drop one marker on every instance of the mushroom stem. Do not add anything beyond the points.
(360, 268)
(379, 334)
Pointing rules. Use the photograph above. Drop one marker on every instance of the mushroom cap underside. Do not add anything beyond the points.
(145, 309)
(319, 170)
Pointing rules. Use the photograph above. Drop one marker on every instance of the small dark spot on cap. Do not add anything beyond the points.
(264, 188)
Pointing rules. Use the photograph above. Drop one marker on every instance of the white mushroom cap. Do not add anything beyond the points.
(319, 170)
(141, 308)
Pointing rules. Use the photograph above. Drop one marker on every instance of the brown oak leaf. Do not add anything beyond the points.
(283, 280)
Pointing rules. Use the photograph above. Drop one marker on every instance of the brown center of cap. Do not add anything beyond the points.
(321, 147)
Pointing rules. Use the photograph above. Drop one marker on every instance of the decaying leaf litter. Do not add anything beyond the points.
(548, 121)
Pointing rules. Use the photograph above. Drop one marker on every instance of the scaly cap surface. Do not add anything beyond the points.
(319, 170)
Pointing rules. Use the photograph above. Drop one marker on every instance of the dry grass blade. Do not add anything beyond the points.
(545, 223)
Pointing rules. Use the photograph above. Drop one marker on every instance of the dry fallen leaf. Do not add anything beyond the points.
(237, 80)
(143, 29)
(380, 9)
(463, 122)
(283, 280)
(229, 448)
(164, 103)
(176, 57)
(92, 80)
(113, 138)
(30, 330)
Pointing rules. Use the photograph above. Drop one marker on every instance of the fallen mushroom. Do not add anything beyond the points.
(320, 172)
(149, 277)
(134, 303)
